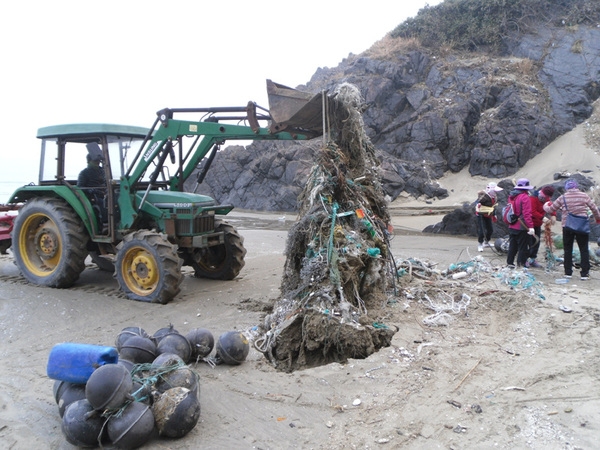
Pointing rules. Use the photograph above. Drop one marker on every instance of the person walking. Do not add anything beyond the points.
(522, 229)
(537, 216)
(484, 214)
(575, 202)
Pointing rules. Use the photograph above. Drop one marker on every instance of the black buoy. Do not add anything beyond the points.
(180, 377)
(81, 425)
(202, 342)
(127, 364)
(175, 343)
(232, 348)
(176, 412)
(132, 428)
(109, 387)
(66, 393)
(128, 332)
(138, 350)
(162, 332)
(501, 245)
(166, 360)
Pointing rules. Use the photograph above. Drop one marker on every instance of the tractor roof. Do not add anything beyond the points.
(82, 129)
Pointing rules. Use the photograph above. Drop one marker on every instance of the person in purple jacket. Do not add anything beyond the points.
(519, 233)
(578, 203)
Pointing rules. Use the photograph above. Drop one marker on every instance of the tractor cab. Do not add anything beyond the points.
(66, 147)
(102, 151)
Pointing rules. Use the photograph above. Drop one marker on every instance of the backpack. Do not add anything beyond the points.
(508, 214)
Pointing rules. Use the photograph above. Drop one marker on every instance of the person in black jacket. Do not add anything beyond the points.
(484, 214)
(93, 181)
(93, 175)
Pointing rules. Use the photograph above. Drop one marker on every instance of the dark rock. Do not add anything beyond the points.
(461, 221)
(429, 114)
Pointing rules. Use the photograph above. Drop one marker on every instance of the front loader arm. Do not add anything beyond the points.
(216, 133)
(210, 132)
(213, 131)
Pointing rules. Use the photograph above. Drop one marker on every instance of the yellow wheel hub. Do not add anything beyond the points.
(40, 245)
(140, 271)
(46, 242)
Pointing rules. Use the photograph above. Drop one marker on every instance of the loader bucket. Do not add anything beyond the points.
(295, 111)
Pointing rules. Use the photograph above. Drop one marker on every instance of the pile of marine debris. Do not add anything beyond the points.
(339, 265)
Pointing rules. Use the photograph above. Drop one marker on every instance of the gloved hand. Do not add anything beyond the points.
(553, 219)
(545, 219)
(531, 232)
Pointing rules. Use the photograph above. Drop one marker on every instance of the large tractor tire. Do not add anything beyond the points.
(49, 243)
(148, 268)
(221, 262)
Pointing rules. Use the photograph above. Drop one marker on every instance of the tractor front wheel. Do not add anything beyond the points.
(49, 243)
(148, 268)
(224, 261)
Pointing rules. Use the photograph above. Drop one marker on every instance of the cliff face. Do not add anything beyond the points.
(430, 112)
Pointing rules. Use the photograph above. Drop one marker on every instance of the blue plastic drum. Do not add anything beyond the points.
(75, 362)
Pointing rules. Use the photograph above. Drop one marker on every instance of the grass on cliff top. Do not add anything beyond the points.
(476, 24)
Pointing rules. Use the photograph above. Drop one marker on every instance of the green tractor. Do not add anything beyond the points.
(140, 222)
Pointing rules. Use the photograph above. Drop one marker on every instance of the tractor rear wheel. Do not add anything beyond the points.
(224, 261)
(49, 243)
(148, 268)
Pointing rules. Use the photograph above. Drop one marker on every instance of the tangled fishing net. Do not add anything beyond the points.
(338, 260)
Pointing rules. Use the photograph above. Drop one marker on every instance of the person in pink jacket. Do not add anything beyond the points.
(578, 203)
(519, 233)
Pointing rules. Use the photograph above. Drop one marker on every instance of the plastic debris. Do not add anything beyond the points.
(521, 280)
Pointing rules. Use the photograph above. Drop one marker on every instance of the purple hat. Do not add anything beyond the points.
(523, 183)
(571, 184)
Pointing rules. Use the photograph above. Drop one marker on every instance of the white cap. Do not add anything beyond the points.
(493, 187)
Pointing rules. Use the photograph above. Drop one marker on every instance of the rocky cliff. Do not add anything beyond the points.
(433, 110)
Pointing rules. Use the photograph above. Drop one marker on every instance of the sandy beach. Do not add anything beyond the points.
(497, 359)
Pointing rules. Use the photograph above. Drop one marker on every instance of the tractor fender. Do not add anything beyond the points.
(72, 195)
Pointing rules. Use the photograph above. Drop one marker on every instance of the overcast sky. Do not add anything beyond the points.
(121, 61)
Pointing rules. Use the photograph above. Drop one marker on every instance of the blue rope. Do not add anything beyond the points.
(330, 246)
